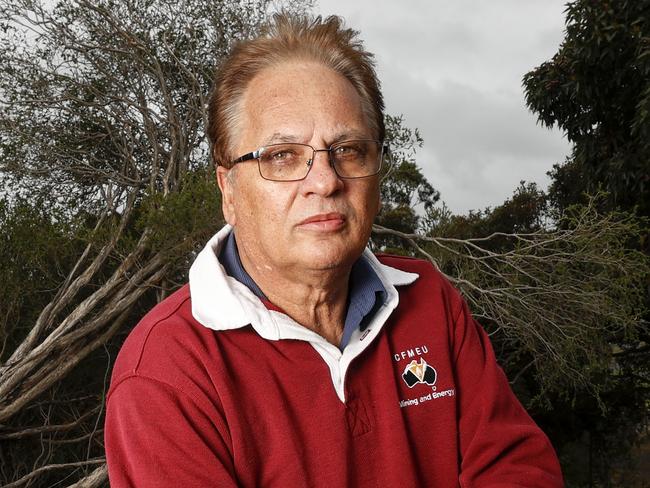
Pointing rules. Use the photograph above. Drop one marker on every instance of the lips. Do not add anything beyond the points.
(325, 221)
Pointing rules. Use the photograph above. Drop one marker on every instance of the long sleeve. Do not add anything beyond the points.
(157, 436)
(500, 445)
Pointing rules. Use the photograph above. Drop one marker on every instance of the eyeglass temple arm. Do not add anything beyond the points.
(246, 157)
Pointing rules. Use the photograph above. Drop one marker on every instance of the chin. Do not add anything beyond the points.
(328, 252)
(323, 260)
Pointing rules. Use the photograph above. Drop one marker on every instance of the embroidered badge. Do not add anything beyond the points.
(421, 372)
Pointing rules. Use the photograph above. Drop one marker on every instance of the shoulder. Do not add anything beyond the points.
(432, 286)
(165, 345)
(407, 263)
(424, 269)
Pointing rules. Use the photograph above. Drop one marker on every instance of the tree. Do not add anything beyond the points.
(404, 189)
(597, 89)
(102, 147)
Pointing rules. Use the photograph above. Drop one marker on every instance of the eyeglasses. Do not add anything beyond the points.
(292, 161)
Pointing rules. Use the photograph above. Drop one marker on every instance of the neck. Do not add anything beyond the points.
(316, 299)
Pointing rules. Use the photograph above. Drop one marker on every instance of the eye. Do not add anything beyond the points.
(279, 155)
(348, 150)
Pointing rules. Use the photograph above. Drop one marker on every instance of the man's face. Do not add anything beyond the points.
(323, 221)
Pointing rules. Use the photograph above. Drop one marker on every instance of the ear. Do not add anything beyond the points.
(225, 182)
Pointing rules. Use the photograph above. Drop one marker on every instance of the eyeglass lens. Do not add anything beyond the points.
(292, 161)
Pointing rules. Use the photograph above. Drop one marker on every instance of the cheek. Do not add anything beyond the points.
(265, 208)
(371, 202)
(376, 203)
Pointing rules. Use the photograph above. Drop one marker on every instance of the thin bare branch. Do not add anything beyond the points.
(37, 472)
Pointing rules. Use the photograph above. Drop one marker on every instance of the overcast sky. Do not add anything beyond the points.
(454, 70)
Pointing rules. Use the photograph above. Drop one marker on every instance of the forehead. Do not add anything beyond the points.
(305, 101)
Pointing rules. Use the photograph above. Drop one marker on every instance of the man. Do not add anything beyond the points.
(294, 357)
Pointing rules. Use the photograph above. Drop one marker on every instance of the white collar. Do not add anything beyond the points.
(220, 302)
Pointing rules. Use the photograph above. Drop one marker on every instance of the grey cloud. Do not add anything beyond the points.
(478, 145)
(454, 69)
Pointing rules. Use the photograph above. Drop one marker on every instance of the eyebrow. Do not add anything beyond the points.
(352, 134)
(277, 137)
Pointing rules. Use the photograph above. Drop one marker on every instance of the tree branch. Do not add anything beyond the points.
(50, 467)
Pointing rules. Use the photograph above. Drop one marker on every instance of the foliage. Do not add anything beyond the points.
(524, 212)
(597, 89)
(183, 220)
(35, 249)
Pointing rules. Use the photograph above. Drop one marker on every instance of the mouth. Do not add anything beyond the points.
(323, 222)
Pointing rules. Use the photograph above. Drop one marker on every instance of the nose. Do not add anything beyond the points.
(321, 179)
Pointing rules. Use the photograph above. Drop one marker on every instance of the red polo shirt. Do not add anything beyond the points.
(215, 388)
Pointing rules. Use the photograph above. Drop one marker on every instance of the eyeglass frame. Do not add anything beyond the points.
(310, 162)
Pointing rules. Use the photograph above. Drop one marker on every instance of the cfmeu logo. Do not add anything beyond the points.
(421, 372)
